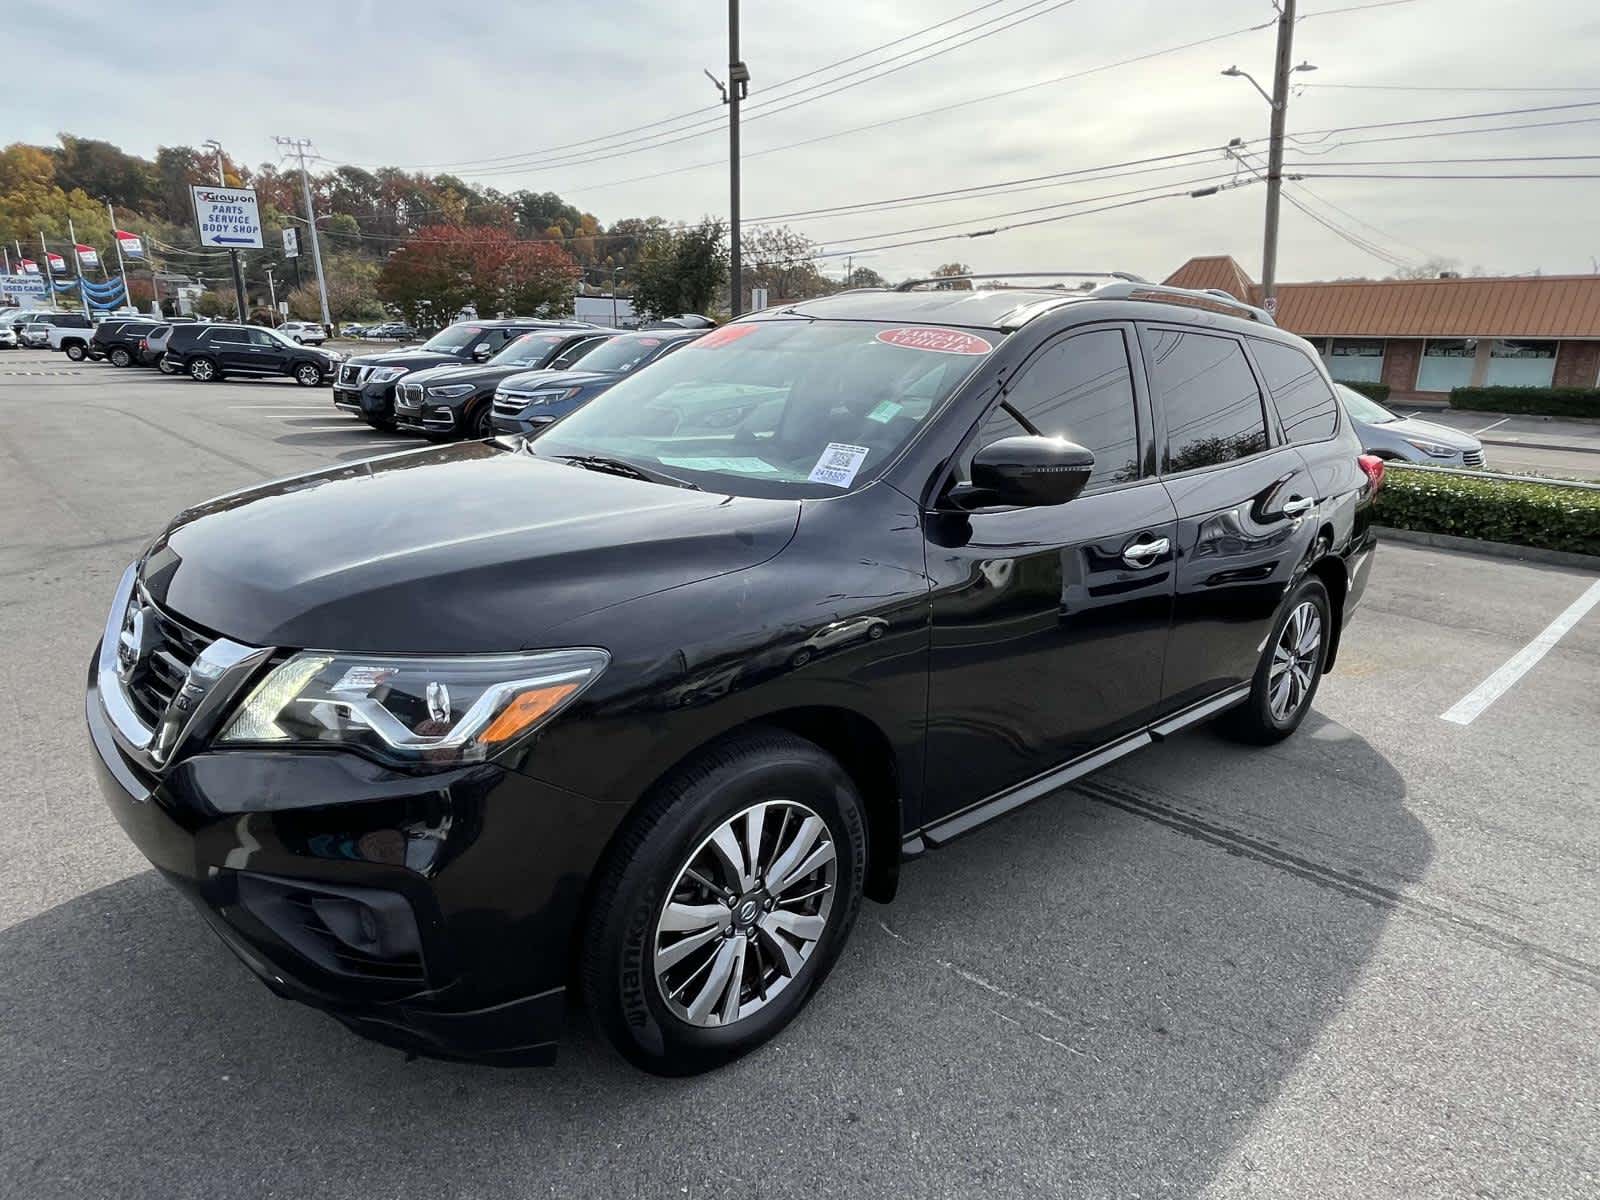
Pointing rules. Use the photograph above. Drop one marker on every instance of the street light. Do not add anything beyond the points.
(1235, 73)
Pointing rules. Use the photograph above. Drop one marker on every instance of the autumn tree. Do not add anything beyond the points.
(948, 271)
(444, 269)
(784, 262)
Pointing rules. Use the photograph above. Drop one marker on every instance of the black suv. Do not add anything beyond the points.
(454, 402)
(526, 403)
(365, 383)
(644, 706)
(215, 351)
(117, 339)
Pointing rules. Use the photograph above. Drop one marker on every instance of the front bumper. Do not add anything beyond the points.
(471, 882)
(423, 415)
(530, 420)
(372, 402)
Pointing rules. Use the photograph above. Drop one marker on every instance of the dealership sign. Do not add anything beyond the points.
(227, 217)
(22, 285)
(87, 255)
(291, 243)
(57, 263)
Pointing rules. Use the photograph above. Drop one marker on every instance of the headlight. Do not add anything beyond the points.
(413, 711)
(1433, 448)
(547, 397)
(452, 391)
(386, 374)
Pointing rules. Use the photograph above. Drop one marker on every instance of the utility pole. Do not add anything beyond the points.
(298, 145)
(233, 255)
(1280, 112)
(272, 292)
(736, 89)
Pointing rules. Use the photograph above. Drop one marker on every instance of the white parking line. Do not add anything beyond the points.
(1488, 427)
(1519, 664)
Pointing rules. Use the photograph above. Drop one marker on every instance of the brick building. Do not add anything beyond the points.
(1423, 337)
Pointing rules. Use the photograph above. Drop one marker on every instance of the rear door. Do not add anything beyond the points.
(1242, 497)
(1050, 623)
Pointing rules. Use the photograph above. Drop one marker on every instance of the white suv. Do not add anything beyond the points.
(304, 332)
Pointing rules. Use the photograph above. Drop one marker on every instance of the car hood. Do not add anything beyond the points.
(413, 358)
(469, 548)
(477, 373)
(526, 381)
(1410, 427)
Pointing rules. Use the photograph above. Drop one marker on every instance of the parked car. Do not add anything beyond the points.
(35, 336)
(390, 329)
(1407, 439)
(304, 332)
(8, 338)
(117, 339)
(68, 332)
(528, 402)
(351, 329)
(211, 352)
(366, 382)
(15, 318)
(645, 705)
(152, 351)
(453, 401)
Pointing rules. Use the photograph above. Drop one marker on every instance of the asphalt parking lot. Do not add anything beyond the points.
(1363, 963)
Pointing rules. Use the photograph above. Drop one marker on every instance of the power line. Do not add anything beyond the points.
(1505, 112)
(1338, 175)
(1330, 12)
(1408, 162)
(1413, 87)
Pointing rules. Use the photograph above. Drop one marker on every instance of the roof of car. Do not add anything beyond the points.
(982, 308)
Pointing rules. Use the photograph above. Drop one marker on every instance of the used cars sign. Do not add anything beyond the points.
(227, 217)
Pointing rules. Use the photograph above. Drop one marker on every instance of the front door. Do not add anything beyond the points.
(1050, 624)
(1244, 501)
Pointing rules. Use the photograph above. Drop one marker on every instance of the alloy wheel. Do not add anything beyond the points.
(308, 376)
(1296, 659)
(745, 913)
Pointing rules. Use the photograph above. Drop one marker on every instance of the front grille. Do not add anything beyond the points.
(408, 395)
(1473, 458)
(350, 375)
(507, 405)
(162, 671)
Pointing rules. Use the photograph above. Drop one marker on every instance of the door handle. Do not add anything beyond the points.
(1142, 554)
(1298, 508)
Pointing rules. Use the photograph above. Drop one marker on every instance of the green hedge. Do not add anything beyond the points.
(1524, 514)
(1372, 391)
(1549, 402)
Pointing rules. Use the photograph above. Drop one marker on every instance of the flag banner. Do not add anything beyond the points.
(57, 264)
(27, 266)
(131, 244)
(87, 255)
(106, 288)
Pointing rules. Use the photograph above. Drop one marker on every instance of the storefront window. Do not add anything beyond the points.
(1521, 364)
(1446, 363)
(1355, 360)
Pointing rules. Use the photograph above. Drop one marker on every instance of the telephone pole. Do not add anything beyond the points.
(736, 89)
(1280, 112)
(298, 146)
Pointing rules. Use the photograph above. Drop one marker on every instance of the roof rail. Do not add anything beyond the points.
(1160, 292)
(911, 284)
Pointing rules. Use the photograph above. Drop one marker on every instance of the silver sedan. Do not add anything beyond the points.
(1391, 436)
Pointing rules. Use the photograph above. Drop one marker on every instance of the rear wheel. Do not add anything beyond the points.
(120, 357)
(1286, 679)
(724, 903)
(204, 370)
(76, 351)
(307, 375)
(165, 366)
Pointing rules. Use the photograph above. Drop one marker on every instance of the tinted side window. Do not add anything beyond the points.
(1079, 388)
(1305, 402)
(1212, 403)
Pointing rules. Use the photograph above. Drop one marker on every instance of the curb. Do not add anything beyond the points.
(1448, 541)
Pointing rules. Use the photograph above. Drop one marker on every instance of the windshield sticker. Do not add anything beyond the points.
(737, 466)
(885, 412)
(722, 336)
(941, 341)
(838, 464)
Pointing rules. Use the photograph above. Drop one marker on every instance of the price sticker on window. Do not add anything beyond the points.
(838, 464)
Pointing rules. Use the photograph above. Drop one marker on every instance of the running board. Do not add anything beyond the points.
(947, 829)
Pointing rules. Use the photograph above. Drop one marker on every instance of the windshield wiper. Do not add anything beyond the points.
(621, 466)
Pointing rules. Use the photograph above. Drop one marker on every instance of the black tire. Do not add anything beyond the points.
(76, 351)
(204, 370)
(298, 340)
(120, 357)
(481, 423)
(164, 365)
(307, 375)
(1255, 721)
(632, 885)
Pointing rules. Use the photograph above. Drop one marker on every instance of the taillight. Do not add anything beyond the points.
(144, 343)
(1372, 467)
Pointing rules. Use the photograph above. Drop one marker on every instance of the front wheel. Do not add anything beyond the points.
(204, 370)
(164, 365)
(1286, 679)
(76, 351)
(724, 903)
(482, 422)
(307, 375)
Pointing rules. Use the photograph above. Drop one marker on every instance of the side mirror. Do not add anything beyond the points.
(480, 351)
(1025, 471)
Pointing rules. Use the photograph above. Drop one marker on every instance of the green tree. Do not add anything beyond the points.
(784, 262)
(865, 277)
(951, 269)
(214, 304)
(681, 272)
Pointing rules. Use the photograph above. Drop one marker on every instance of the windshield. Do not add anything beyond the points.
(776, 408)
(623, 354)
(454, 340)
(1363, 408)
(531, 350)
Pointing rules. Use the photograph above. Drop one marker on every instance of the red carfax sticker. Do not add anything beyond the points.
(722, 336)
(927, 337)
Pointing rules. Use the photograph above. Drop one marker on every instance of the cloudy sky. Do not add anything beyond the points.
(531, 94)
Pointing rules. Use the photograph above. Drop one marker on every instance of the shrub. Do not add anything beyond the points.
(1372, 391)
(1549, 402)
(1546, 515)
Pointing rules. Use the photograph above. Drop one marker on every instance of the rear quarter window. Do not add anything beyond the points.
(1306, 404)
